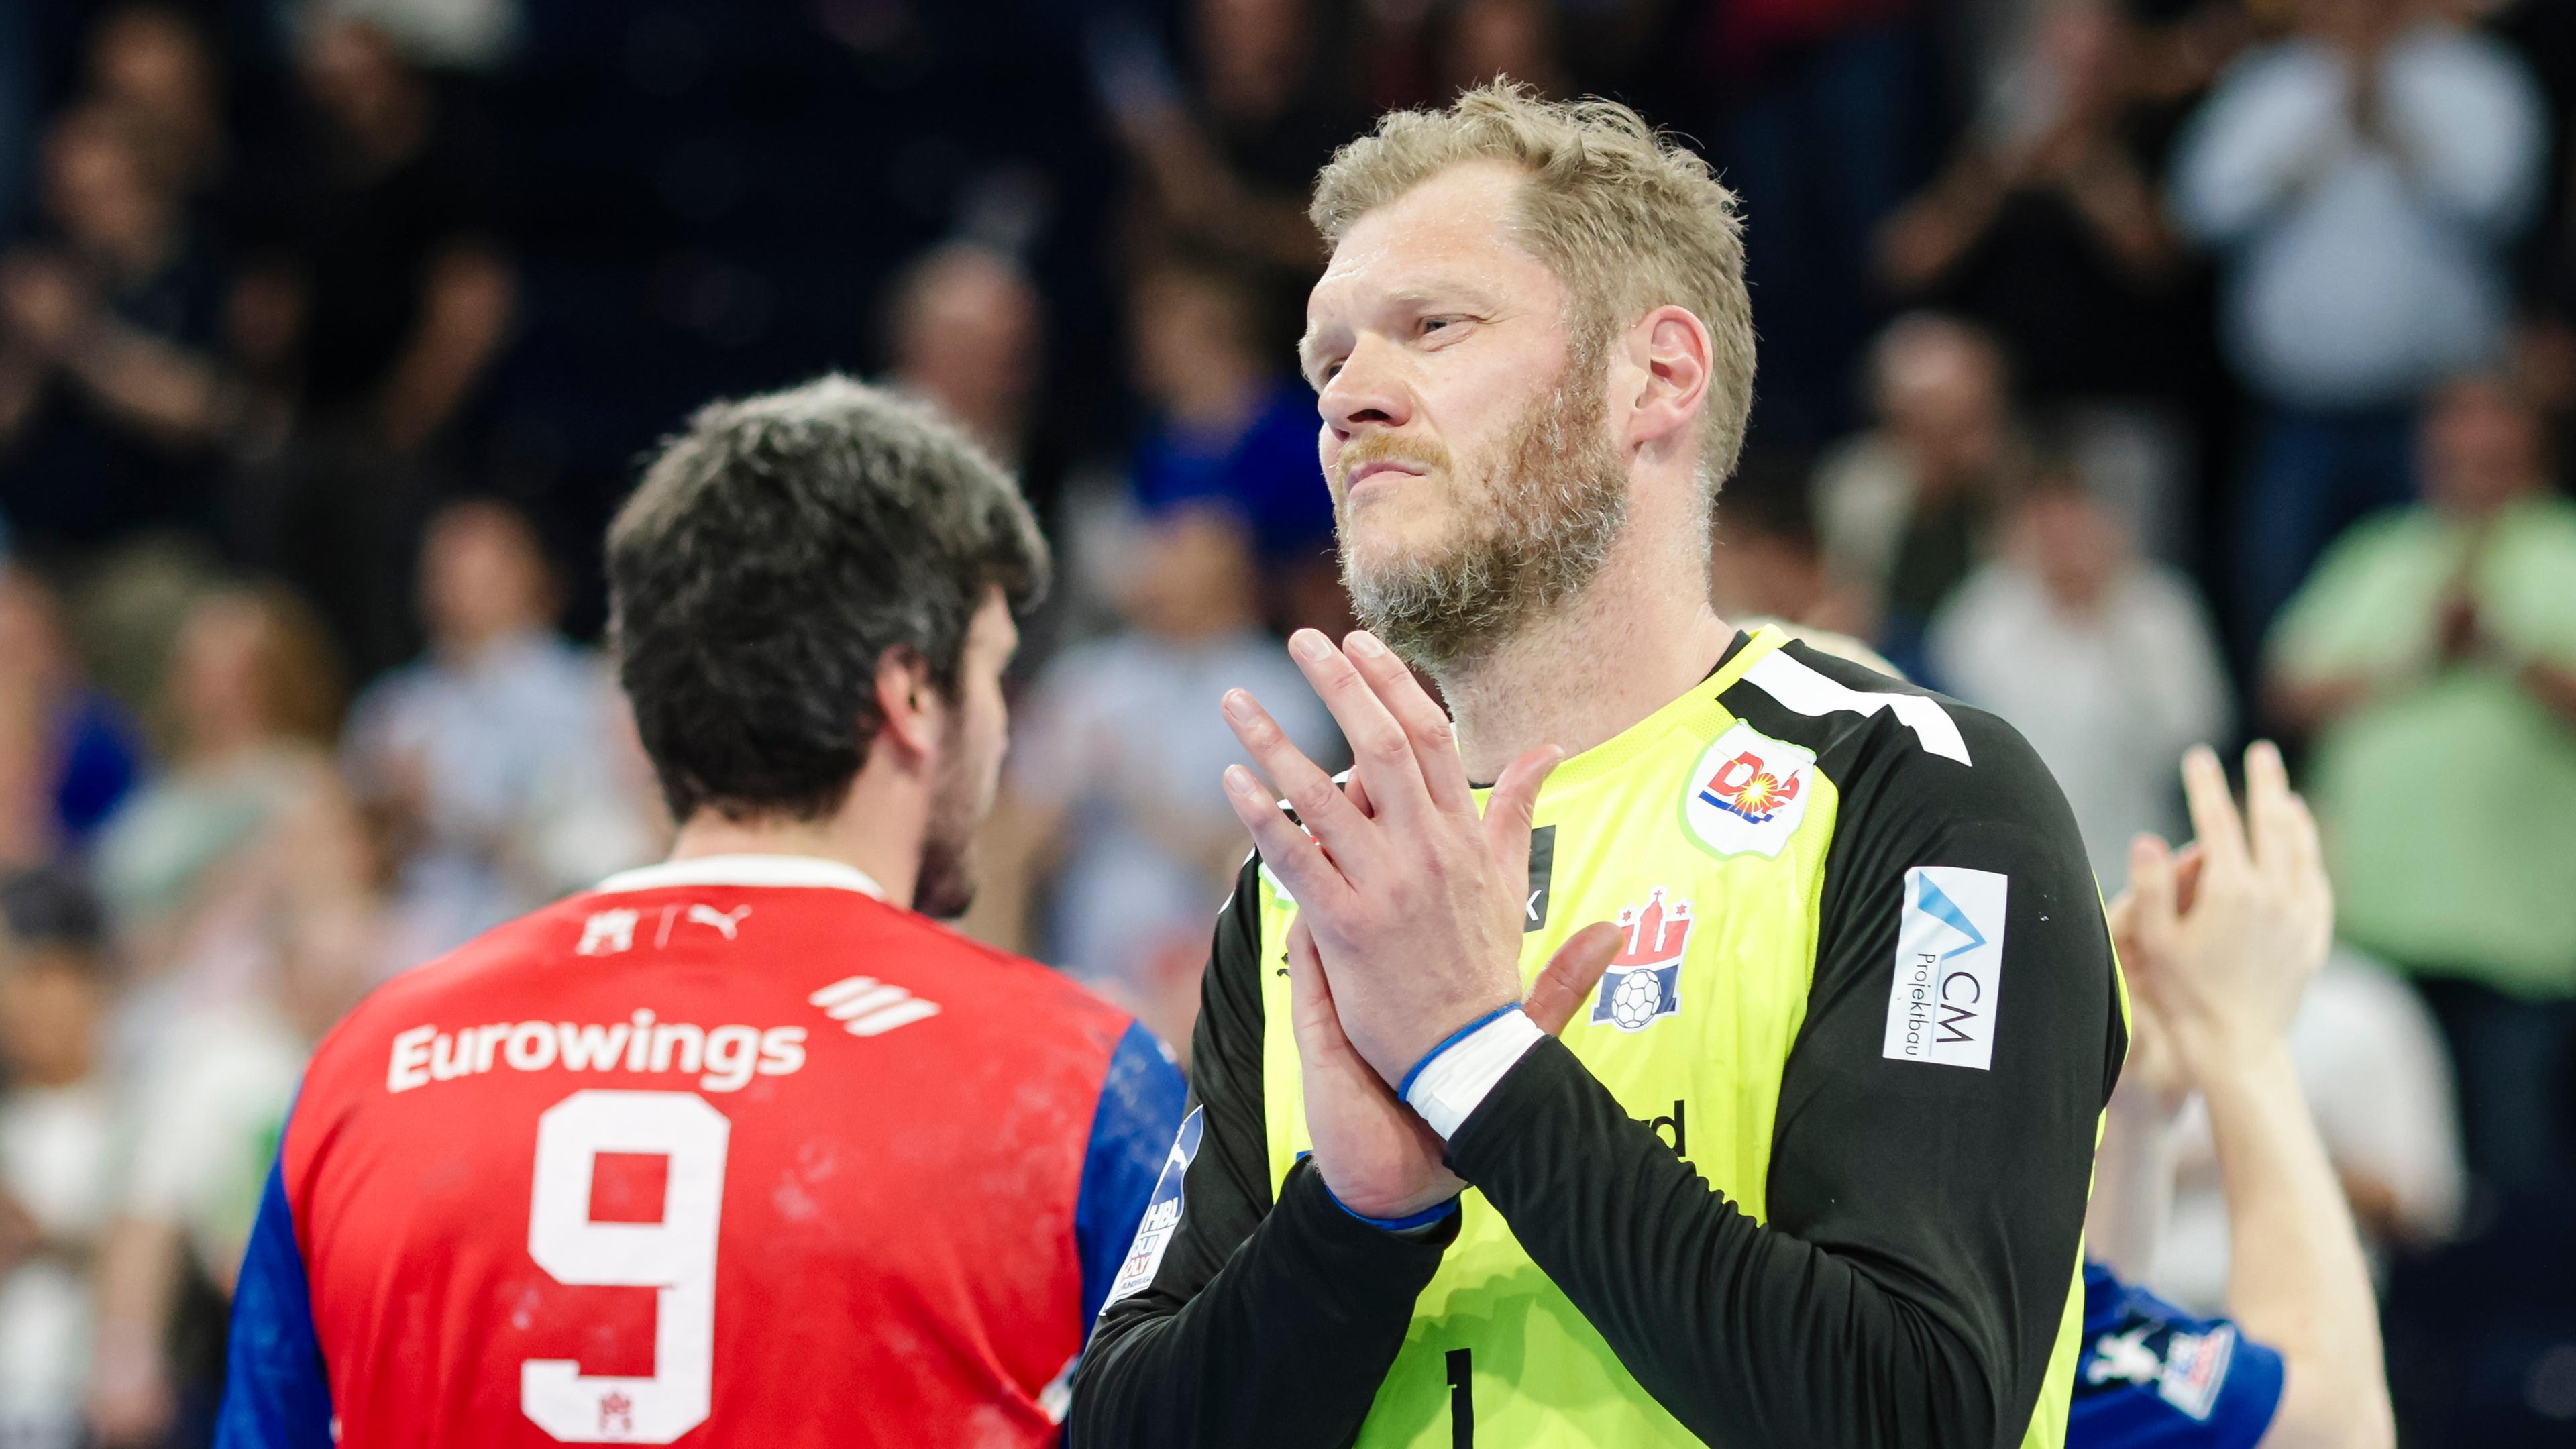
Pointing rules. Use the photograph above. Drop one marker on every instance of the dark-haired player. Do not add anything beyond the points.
(741, 1148)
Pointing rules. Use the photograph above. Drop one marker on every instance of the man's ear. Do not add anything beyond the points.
(1673, 354)
(909, 704)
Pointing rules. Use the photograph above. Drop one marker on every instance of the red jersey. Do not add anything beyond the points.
(728, 1151)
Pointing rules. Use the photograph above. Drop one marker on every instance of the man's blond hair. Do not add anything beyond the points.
(1625, 217)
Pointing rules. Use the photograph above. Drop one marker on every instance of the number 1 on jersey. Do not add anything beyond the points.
(676, 1256)
(1462, 1398)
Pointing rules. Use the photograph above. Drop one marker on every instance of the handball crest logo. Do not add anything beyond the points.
(1644, 979)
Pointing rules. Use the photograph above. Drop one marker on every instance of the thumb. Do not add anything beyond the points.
(1311, 1014)
(1570, 975)
(1307, 989)
(2153, 885)
(1513, 801)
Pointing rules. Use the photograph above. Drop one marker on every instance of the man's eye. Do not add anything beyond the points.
(1433, 324)
(1327, 375)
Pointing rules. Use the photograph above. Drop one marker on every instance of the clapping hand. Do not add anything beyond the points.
(1415, 901)
(2221, 942)
(1409, 912)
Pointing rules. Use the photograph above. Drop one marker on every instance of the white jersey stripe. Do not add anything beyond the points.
(1799, 687)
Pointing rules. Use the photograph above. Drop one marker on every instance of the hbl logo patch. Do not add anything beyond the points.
(1748, 793)
(1162, 1213)
(1644, 979)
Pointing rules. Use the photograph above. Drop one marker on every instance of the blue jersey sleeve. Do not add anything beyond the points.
(275, 1395)
(2153, 1377)
(1131, 1134)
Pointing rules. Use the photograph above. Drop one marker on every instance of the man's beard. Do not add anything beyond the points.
(945, 884)
(1554, 496)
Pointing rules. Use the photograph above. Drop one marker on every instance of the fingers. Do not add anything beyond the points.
(2121, 916)
(2307, 851)
(1381, 752)
(2305, 878)
(1310, 997)
(2214, 819)
(1291, 853)
(2150, 899)
(2268, 824)
(1425, 724)
(2187, 864)
(1307, 987)
(1570, 975)
(1509, 808)
(1355, 790)
(1300, 781)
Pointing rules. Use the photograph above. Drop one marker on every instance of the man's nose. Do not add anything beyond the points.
(1369, 391)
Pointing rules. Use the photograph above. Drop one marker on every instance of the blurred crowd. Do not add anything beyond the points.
(2147, 371)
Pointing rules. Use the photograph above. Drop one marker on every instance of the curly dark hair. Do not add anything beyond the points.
(775, 551)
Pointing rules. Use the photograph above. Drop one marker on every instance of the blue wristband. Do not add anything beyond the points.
(1422, 1219)
(1404, 1089)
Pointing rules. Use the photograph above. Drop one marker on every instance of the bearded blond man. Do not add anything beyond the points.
(1807, 1166)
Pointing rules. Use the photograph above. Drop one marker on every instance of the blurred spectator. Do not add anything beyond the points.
(406, 295)
(492, 765)
(1229, 157)
(149, 64)
(2432, 660)
(2366, 179)
(252, 704)
(470, 35)
(397, 301)
(1904, 510)
(1230, 424)
(1117, 755)
(239, 884)
(2376, 1079)
(2105, 661)
(2047, 226)
(68, 754)
(201, 1124)
(966, 330)
(56, 1129)
(110, 401)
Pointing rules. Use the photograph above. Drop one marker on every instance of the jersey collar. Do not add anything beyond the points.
(744, 870)
(1697, 709)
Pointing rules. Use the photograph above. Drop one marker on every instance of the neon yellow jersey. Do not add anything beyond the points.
(1811, 1167)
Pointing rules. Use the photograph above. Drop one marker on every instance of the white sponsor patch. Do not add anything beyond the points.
(1748, 792)
(1949, 967)
(1162, 1214)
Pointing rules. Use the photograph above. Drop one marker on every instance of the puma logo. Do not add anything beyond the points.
(725, 922)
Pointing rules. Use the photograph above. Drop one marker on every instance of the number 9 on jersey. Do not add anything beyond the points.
(676, 1256)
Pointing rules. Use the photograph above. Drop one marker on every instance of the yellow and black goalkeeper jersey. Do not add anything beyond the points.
(1810, 1171)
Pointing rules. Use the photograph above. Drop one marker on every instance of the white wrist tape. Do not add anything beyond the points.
(1448, 1087)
